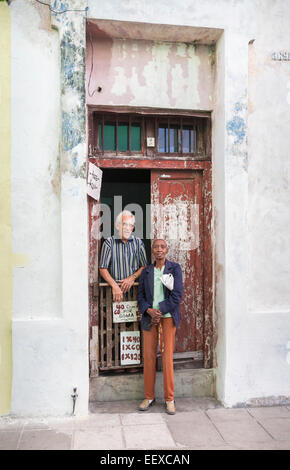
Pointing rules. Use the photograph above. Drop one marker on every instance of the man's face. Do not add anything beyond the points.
(159, 250)
(126, 227)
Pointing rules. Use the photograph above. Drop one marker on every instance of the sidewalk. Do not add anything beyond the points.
(198, 424)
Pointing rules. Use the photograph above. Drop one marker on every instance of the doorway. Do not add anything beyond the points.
(128, 189)
(184, 194)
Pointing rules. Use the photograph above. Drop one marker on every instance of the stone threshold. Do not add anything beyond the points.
(188, 383)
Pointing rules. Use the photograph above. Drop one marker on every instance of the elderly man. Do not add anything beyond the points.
(159, 296)
(122, 258)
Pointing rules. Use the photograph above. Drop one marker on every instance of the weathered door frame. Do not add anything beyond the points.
(205, 168)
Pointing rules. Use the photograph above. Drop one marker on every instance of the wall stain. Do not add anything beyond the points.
(55, 178)
(73, 128)
(44, 15)
(237, 128)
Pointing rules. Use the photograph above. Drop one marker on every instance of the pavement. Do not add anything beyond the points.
(199, 424)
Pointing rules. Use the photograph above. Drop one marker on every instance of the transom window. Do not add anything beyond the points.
(122, 136)
(150, 135)
(176, 138)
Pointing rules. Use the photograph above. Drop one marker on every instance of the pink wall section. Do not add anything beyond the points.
(146, 73)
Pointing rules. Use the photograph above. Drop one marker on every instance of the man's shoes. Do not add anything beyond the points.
(170, 407)
(145, 405)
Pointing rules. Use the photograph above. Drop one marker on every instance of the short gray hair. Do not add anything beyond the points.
(120, 216)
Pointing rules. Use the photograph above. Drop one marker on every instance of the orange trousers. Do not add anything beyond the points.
(150, 343)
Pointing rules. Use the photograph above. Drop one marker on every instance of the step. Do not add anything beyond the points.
(189, 383)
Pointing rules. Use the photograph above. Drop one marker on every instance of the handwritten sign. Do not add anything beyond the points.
(94, 181)
(125, 311)
(130, 347)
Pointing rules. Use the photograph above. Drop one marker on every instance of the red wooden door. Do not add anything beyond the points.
(177, 217)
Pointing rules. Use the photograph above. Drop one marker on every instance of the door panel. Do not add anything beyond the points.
(177, 216)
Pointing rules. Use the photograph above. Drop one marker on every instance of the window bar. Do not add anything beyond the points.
(103, 134)
(90, 134)
(181, 135)
(156, 136)
(202, 132)
(116, 134)
(144, 125)
(207, 134)
(95, 136)
(194, 137)
(191, 142)
(130, 145)
(143, 136)
(199, 137)
(97, 133)
(168, 135)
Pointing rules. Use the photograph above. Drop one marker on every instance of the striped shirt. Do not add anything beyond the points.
(123, 259)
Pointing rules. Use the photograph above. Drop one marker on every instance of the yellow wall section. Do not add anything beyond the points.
(6, 268)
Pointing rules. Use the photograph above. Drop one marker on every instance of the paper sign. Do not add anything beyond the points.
(125, 311)
(94, 181)
(130, 347)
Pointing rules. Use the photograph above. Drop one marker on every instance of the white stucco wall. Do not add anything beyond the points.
(50, 311)
(35, 165)
(269, 198)
(218, 214)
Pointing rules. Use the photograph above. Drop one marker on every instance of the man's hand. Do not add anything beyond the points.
(127, 283)
(155, 315)
(117, 293)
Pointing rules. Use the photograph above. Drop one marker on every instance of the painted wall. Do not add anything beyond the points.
(6, 265)
(269, 197)
(50, 311)
(218, 216)
(147, 73)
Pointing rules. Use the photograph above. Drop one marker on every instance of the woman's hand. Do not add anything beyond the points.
(155, 315)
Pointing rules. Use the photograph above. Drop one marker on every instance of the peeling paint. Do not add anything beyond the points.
(72, 63)
(182, 194)
(60, 6)
(72, 129)
(72, 47)
(148, 73)
(236, 127)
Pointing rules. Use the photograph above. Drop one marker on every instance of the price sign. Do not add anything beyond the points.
(130, 347)
(125, 311)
